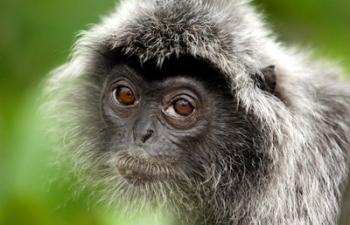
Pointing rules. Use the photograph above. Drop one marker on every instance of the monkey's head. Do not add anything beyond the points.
(170, 104)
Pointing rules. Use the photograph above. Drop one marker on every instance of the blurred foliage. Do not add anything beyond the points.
(36, 36)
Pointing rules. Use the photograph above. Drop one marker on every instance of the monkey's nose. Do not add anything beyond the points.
(149, 133)
(144, 130)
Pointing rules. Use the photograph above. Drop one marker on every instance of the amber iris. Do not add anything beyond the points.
(183, 107)
(125, 95)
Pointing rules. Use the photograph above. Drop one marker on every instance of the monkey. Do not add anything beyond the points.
(195, 107)
(344, 217)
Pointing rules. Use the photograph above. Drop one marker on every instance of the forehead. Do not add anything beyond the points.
(174, 68)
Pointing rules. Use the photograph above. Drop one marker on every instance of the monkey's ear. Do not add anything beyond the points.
(266, 80)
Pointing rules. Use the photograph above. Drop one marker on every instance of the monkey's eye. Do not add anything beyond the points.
(183, 107)
(181, 111)
(180, 106)
(124, 95)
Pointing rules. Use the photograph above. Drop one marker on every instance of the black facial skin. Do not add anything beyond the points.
(210, 150)
(153, 129)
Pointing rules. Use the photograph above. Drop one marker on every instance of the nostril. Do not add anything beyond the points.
(147, 136)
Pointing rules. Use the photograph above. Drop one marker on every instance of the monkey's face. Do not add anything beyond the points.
(154, 122)
(170, 131)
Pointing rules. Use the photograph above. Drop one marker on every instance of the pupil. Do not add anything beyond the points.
(183, 103)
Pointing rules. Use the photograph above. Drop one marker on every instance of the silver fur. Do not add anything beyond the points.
(308, 123)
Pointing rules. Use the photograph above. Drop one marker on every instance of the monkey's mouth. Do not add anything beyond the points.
(138, 171)
(137, 177)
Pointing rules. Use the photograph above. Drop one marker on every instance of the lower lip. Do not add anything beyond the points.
(137, 177)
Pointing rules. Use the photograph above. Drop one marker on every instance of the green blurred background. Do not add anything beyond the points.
(36, 36)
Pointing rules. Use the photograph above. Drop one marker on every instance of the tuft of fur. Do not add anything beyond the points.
(306, 124)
